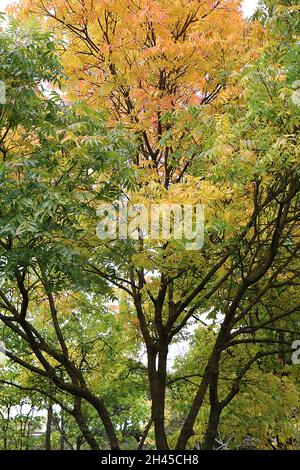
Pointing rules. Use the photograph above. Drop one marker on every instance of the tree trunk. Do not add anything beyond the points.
(81, 421)
(49, 426)
(62, 432)
(157, 381)
(210, 378)
(187, 430)
(79, 443)
(215, 406)
(212, 428)
(105, 418)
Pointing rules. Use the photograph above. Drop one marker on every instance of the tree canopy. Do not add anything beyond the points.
(153, 103)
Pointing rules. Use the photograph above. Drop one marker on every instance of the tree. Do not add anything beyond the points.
(145, 61)
(265, 410)
(201, 137)
(151, 62)
(20, 419)
(50, 179)
(261, 301)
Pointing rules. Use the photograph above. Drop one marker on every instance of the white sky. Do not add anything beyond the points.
(249, 5)
(4, 3)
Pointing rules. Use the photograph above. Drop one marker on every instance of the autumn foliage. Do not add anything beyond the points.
(166, 102)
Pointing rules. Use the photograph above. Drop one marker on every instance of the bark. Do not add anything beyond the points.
(62, 432)
(82, 424)
(187, 430)
(145, 434)
(105, 418)
(209, 379)
(215, 406)
(212, 428)
(49, 426)
(157, 381)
